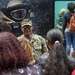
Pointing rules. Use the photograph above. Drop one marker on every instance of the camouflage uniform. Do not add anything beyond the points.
(37, 43)
(25, 43)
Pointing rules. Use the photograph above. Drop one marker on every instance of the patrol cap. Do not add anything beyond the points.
(26, 22)
(74, 11)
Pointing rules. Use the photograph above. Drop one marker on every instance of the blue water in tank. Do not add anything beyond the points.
(59, 8)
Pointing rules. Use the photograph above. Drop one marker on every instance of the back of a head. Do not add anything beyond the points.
(71, 6)
(54, 35)
(58, 61)
(12, 54)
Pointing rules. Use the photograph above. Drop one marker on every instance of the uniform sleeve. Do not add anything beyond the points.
(44, 45)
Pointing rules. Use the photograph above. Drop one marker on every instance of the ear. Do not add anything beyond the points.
(48, 44)
(63, 41)
(46, 40)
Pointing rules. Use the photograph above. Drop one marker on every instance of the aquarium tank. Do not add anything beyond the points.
(60, 7)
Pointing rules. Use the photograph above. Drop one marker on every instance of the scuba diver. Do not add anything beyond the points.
(14, 13)
(58, 23)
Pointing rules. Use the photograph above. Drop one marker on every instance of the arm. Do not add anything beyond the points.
(64, 23)
(44, 45)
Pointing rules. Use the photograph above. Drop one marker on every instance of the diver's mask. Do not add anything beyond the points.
(19, 14)
(16, 12)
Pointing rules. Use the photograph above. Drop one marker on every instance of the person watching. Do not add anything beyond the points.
(37, 42)
(58, 62)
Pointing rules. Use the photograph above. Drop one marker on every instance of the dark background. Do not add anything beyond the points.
(43, 14)
(43, 19)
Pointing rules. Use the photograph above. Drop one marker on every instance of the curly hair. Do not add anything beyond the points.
(4, 27)
(58, 62)
(12, 54)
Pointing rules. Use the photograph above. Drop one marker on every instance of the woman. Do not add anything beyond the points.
(14, 59)
(58, 63)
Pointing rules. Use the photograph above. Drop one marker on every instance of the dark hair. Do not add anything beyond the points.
(12, 54)
(54, 35)
(70, 7)
(4, 27)
(58, 63)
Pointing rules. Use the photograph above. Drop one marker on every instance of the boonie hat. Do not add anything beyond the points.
(26, 22)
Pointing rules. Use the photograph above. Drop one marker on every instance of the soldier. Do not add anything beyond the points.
(37, 42)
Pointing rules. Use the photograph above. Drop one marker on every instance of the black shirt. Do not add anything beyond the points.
(66, 19)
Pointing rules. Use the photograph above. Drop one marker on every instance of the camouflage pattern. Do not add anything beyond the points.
(38, 45)
(26, 22)
(25, 43)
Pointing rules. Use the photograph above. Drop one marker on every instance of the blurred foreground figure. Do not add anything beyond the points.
(13, 58)
(12, 55)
